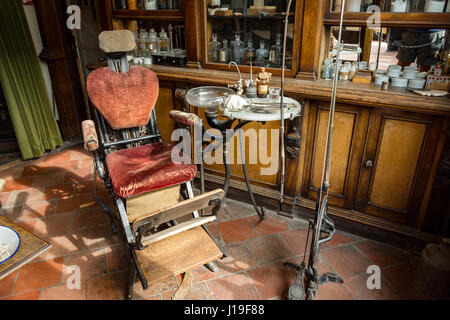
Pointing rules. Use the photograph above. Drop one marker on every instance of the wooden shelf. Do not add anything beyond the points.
(171, 15)
(278, 16)
(390, 19)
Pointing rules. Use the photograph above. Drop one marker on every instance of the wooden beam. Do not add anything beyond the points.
(58, 53)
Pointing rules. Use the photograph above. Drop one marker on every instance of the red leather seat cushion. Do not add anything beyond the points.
(146, 168)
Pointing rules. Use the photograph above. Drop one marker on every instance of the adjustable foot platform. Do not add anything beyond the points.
(176, 255)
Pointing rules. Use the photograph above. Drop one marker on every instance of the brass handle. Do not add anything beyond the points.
(368, 164)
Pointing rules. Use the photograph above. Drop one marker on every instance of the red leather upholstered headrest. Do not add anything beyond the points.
(125, 100)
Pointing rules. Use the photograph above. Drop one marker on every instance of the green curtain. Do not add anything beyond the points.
(23, 84)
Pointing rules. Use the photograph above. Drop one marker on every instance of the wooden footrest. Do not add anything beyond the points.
(182, 227)
(177, 254)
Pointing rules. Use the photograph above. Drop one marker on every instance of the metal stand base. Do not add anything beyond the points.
(309, 280)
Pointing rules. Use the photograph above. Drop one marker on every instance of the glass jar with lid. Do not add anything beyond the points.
(224, 52)
(434, 6)
(152, 41)
(237, 49)
(163, 41)
(213, 49)
(262, 55)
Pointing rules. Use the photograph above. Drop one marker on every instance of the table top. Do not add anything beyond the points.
(265, 109)
(30, 247)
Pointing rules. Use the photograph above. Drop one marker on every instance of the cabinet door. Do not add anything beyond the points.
(397, 159)
(350, 126)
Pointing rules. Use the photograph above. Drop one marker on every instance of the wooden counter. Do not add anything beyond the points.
(388, 146)
(348, 92)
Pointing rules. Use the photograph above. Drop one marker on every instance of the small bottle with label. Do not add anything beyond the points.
(249, 55)
(163, 41)
(213, 49)
(262, 83)
(224, 52)
(275, 52)
(262, 55)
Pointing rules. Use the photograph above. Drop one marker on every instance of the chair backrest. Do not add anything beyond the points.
(126, 100)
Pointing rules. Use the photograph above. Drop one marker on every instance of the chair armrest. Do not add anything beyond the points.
(89, 135)
(189, 119)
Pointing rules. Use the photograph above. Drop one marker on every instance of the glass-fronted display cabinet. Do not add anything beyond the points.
(249, 32)
(413, 13)
(158, 26)
(399, 6)
(147, 5)
(406, 46)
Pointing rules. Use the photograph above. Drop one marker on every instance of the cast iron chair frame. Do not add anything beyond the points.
(113, 140)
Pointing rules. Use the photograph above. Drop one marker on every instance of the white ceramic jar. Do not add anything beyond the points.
(410, 74)
(399, 82)
(398, 5)
(416, 83)
(380, 78)
(353, 6)
(434, 6)
(408, 68)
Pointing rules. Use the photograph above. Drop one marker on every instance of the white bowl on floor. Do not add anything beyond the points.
(11, 240)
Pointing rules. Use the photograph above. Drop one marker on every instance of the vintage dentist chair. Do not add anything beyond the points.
(165, 236)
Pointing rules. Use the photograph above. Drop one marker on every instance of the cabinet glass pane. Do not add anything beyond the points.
(427, 6)
(157, 42)
(414, 53)
(249, 32)
(146, 4)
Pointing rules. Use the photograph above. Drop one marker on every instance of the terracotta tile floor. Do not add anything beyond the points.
(53, 198)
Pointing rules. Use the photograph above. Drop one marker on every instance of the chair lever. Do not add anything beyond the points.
(217, 204)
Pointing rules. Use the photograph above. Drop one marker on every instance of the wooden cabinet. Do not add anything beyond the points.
(399, 150)
(381, 159)
(348, 141)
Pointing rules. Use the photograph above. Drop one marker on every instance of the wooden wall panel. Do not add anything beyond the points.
(253, 153)
(342, 141)
(401, 147)
(350, 129)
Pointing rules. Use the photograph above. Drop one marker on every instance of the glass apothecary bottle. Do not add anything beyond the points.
(261, 55)
(152, 41)
(149, 5)
(224, 52)
(237, 49)
(213, 49)
(142, 41)
(239, 21)
(399, 6)
(275, 53)
(120, 4)
(249, 54)
(163, 41)
(353, 6)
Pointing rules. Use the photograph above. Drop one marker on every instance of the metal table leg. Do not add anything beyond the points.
(261, 211)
